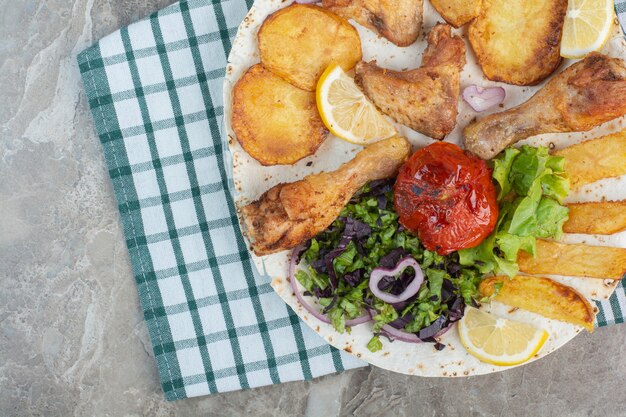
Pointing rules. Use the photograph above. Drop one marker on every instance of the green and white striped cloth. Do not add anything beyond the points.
(155, 91)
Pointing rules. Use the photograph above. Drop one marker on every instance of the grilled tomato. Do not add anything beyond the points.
(446, 197)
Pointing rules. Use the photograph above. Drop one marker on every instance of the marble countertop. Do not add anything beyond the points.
(72, 339)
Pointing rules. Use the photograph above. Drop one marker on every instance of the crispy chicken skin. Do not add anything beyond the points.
(289, 214)
(400, 21)
(585, 95)
(424, 99)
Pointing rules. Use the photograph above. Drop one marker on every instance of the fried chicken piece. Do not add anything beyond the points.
(424, 99)
(289, 214)
(585, 95)
(400, 21)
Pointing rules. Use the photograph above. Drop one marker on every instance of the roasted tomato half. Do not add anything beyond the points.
(446, 197)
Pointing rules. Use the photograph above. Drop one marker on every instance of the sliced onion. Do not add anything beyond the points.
(403, 336)
(292, 279)
(359, 320)
(412, 289)
(444, 330)
(307, 1)
(481, 99)
(400, 335)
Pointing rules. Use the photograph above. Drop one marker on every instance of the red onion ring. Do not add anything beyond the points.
(307, 1)
(400, 335)
(444, 330)
(412, 289)
(321, 317)
(359, 320)
(481, 99)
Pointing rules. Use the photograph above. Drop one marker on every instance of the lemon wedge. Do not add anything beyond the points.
(499, 341)
(346, 112)
(587, 27)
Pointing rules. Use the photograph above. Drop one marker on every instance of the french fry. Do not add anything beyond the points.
(542, 296)
(601, 218)
(574, 260)
(595, 159)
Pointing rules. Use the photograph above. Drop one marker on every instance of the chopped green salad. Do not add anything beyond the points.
(366, 236)
(367, 241)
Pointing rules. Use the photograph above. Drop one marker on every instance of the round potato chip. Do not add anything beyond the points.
(300, 41)
(275, 122)
(518, 41)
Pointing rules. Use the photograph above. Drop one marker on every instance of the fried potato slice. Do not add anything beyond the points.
(518, 41)
(576, 260)
(597, 218)
(595, 159)
(275, 122)
(300, 41)
(542, 296)
(457, 12)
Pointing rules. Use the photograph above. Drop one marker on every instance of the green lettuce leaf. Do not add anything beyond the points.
(374, 345)
(550, 219)
(386, 314)
(532, 186)
(528, 165)
(555, 186)
(510, 245)
(523, 218)
(502, 169)
(337, 319)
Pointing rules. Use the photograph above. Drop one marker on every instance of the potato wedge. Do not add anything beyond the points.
(595, 159)
(577, 260)
(275, 122)
(300, 41)
(542, 296)
(457, 12)
(601, 218)
(517, 41)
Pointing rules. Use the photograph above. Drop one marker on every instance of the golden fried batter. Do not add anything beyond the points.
(424, 99)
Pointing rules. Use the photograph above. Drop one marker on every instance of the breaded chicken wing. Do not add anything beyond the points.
(400, 21)
(289, 214)
(424, 99)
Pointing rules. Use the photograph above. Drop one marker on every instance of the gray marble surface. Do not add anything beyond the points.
(72, 339)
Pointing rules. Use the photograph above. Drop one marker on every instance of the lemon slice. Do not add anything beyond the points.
(499, 341)
(346, 112)
(587, 27)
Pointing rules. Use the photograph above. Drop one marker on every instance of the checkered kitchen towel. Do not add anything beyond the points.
(155, 91)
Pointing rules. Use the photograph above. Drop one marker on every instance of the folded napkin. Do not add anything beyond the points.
(620, 9)
(155, 91)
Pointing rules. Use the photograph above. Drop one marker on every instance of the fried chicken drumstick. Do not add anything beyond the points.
(585, 95)
(424, 99)
(289, 214)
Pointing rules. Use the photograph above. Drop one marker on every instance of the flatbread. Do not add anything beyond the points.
(251, 180)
